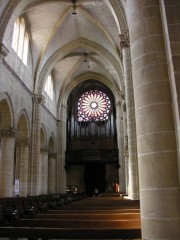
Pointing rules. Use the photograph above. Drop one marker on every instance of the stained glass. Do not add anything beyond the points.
(93, 105)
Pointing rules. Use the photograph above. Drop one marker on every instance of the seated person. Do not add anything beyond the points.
(96, 192)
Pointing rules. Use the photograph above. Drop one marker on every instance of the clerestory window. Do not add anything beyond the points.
(93, 105)
(49, 87)
(20, 40)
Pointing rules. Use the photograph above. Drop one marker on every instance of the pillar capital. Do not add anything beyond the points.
(123, 96)
(59, 122)
(124, 41)
(121, 99)
(38, 99)
(63, 108)
(126, 141)
(24, 142)
(44, 150)
(52, 155)
(3, 51)
(118, 103)
(9, 133)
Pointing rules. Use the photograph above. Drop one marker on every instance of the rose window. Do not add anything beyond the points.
(93, 105)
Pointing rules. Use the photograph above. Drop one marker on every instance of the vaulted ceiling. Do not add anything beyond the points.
(75, 45)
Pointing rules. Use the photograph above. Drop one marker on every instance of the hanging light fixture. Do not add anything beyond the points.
(74, 7)
(86, 60)
(85, 57)
(88, 66)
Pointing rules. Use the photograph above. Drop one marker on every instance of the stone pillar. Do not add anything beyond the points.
(24, 166)
(18, 155)
(7, 162)
(133, 183)
(61, 172)
(35, 153)
(170, 15)
(44, 171)
(157, 156)
(120, 137)
(52, 173)
(126, 156)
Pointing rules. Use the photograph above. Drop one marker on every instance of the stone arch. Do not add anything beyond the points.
(43, 161)
(6, 112)
(43, 137)
(17, 7)
(66, 91)
(7, 146)
(22, 153)
(52, 166)
(70, 47)
(23, 124)
(119, 11)
(76, 89)
(14, 9)
(51, 144)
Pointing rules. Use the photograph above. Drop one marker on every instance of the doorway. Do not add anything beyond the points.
(95, 177)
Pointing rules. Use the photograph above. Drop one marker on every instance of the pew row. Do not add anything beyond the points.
(87, 216)
(92, 211)
(101, 204)
(80, 224)
(90, 218)
(60, 233)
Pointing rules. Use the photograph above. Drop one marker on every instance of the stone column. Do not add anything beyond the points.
(24, 166)
(35, 150)
(120, 134)
(125, 146)
(44, 171)
(126, 156)
(170, 14)
(157, 156)
(61, 172)
(133, 183)
(52, 174)
(18, 155)
(7, 162)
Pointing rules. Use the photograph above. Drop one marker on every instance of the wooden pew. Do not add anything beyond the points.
(80, 224)
(87, 216)
(59, 233)
(90, 218)
(96, 207)
(101, 203)
(97, 211)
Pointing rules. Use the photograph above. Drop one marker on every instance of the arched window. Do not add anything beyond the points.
(15, 35)
(20, 40)
(49, 87)
(26, 47)
(93, 105)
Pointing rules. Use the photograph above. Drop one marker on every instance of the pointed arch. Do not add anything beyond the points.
(6, 111)
(23, 124)
(52, 165)
(43, 137)
(51, 144)
(66, 50)
(67, 90)
(20, 39)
